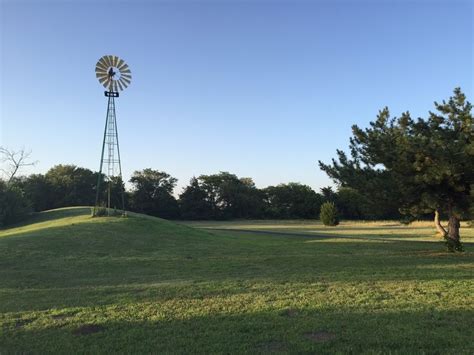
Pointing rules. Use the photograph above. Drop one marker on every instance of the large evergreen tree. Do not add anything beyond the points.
(377, 186)
(430, 161)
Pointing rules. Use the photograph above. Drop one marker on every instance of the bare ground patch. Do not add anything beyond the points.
(320, 336)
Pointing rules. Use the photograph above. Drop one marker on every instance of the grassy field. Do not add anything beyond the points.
(71, 283)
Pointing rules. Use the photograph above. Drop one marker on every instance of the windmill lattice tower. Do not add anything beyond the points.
(115, 75)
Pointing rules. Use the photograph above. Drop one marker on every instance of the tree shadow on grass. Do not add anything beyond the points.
(317, 234)
(61, 267)
(90, 283)
(303, 330)
(50, 215)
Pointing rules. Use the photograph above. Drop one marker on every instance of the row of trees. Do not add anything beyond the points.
(217, 196)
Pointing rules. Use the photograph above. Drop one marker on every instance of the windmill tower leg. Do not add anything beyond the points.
(122, 188)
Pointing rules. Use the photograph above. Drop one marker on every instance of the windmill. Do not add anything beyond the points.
(114, 74)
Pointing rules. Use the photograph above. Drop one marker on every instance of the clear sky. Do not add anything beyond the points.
(262, 89)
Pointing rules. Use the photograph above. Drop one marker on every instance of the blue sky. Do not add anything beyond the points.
(262, 89)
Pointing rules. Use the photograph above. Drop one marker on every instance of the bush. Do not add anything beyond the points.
(98, 211)
(329, 214)
(102, 211)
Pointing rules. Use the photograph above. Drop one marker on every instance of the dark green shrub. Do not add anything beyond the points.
(103, 211)
(99, 211)
(329, 214)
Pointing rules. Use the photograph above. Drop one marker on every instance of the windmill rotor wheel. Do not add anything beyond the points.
(113, 73)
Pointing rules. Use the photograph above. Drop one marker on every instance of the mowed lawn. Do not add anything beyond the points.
(71, 283)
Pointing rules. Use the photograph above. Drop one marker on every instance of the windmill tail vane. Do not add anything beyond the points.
(115, 75)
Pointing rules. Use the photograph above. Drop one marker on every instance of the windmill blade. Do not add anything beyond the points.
(120, 85)
(124, 66)
(101, 64)
(121, 63)
(116, 89)
(106, 83)
(124, 84)
(100, 73)
(110, 60)
(114, 61)
(99, 69)
(126, 80)
(125, 69)
(102, 78)
(127, 77)
(106, 60)
(103, 61)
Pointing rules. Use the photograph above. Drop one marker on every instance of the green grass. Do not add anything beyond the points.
(71, 283)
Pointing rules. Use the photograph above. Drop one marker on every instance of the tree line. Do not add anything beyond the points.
(217, 196)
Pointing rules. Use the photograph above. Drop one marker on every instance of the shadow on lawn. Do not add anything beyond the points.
(60, 213)
(319, 234)
(59, 270)
(273, 330)
(90, 282)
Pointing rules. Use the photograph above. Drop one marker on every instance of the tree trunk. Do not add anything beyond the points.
(438, 225)
(453, 228)
(453, 240)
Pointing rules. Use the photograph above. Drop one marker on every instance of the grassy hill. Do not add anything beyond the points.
(72, 283)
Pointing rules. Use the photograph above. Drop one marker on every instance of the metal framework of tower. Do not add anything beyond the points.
(110, 156)
(115, 75)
